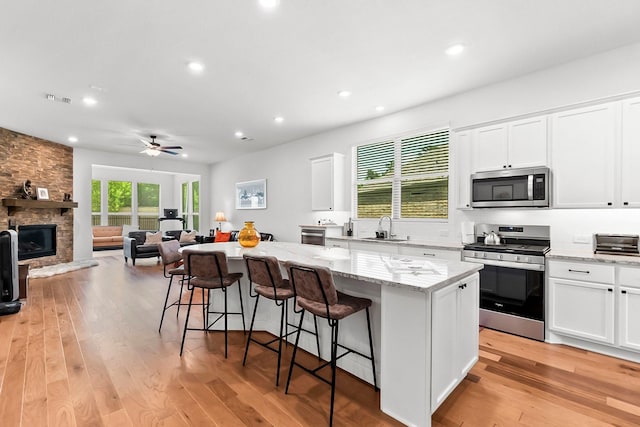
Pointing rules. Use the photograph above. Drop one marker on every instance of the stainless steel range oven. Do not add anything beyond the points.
(512, 280)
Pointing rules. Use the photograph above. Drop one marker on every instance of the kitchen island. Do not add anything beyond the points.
(424, 319)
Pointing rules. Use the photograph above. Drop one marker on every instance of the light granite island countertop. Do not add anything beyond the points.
(424, 319)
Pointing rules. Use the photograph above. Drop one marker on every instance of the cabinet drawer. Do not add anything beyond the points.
(584, 271)
(629, 276)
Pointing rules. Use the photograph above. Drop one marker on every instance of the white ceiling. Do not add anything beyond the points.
(290, 61)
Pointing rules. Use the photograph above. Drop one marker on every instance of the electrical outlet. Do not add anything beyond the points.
(582, 238)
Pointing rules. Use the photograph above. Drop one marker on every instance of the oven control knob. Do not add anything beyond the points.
(517, 258)
(500, 256)
(484, 255)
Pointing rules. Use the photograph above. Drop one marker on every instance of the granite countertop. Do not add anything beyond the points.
(383, 269)
(589, 256)
(417, 243)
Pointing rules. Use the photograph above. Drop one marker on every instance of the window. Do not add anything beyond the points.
(148, 205)
(195, 204)
(119, 202)
(96, 202)
(419, 188)
(191, 204)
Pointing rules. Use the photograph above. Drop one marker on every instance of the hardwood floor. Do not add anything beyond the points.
(85, 350)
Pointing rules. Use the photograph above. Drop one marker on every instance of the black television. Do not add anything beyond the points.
(171, 213)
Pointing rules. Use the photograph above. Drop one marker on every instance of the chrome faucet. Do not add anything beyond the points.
(390, 233)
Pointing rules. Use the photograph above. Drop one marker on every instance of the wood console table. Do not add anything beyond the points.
(14, 204)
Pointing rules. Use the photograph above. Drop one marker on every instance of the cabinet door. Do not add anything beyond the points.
(322, 184)
(430, 253)
(630, 158)
(468, 323)
(444, 332)
(490, 148)
(630, 318)
(333, 243)
(528, 143)
(582, 156)
(582, 309)
(463, 169)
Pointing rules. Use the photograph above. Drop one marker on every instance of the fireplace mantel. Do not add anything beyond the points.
(13, 204)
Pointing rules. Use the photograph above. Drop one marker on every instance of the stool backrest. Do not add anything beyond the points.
(264, 270)
(206, 264)
(169, 252)
(312, 282)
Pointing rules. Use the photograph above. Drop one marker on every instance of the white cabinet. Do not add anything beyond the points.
(454, 255)
(327, 183)
(336, 243)
(582, 309)
(582, 154)
(454, 345)
(516, 144)
(630, 156)
(463, 169)
(630, 318)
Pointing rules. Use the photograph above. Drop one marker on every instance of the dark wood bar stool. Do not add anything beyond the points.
(171, 257)
(316, 293)
(264, 273)
(208, 270)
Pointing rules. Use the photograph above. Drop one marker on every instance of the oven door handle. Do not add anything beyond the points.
(508, 264)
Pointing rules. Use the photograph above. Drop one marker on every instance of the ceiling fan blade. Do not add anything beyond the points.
(171, 147)
(167, 151)
(145, 142)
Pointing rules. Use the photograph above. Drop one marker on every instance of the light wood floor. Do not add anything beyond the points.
(85, 350)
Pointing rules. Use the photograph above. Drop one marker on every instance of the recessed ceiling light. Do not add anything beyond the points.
(455, 49)
(89, 101)
(72, 139)
(239, 134)
(185, 155)
(196, 67)
(344, 94)
(379, 108)
(278, 119)
(269, 4)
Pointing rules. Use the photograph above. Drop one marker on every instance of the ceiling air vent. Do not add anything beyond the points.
(51, 97)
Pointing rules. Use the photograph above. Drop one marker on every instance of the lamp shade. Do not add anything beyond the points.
(220, 217)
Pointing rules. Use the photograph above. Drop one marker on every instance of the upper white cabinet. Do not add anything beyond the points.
(517, 144)
(463, 169)
(630, 147)
(583, 144)
(327, 183)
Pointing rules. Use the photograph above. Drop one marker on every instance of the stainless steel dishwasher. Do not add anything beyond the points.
(312, 236)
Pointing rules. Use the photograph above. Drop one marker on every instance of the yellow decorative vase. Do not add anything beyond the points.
(248, 237)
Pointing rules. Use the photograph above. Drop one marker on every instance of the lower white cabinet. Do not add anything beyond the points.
(582, 309)
(430, 253)
(336, 243)
(454, 345)
(630, 318)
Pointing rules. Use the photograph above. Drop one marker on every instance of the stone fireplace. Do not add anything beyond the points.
(48, 165)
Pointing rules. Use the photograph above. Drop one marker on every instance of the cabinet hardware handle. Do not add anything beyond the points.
(509, 165)
(610, 290)
(460, 287)
(497, 304)
(609, 203)
(626, 203)
(579, 271)
(428, 254)
(624, 292)
(504, 166)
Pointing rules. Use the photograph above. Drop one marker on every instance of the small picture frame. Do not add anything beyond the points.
(251, 194)
(42, 193)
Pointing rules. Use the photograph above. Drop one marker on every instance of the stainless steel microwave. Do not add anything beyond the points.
(511, 188)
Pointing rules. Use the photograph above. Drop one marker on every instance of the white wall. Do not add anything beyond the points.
(147, 167)
(287, 167)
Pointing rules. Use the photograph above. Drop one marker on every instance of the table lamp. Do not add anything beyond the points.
(220, 218)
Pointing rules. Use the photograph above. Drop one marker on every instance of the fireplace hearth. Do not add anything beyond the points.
(35, 241)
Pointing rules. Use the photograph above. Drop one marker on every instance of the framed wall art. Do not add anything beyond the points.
(251, 194)
(42, 193)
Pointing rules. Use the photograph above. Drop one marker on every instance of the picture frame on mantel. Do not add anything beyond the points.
(42, 193)
(251, 194)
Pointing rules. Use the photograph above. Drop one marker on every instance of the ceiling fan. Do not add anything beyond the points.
(153, 148)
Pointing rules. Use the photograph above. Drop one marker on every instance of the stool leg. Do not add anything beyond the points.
(280, 344)
(373, 361)
(205, 312)
(241, 306)
(293, 356)
(334, 354)
(180, 296)
(315, 323)
(165, 303)
(186, 322)
(225, 321)
(253, 318)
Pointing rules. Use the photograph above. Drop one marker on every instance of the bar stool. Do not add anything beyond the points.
(208, 270)
(170, 255)
(315, 292)
(264, 273)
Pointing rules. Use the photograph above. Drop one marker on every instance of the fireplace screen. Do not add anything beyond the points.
(35, 241)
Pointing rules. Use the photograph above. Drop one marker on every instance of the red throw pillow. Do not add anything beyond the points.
(222, 237)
